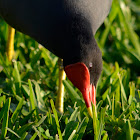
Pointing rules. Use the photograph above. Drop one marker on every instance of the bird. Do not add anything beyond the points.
(67, 29)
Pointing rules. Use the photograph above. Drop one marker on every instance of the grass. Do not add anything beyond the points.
(29, 84)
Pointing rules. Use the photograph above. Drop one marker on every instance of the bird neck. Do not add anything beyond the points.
(83, 52)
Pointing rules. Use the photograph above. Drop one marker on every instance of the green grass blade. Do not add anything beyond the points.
(129, 131)
(139, 93)
(74, 115)
(101, 123)
(56, 119)
(2, 113)
(70, 127)
(16, 73)
(124, 112)
(26, 118)
(72, 135)
(82, 127)
(19, 99)
(136, 131)
(113, 111)
(17, 111)
(24, 128)
(32, 98)
(40, 121)
(95, 122)
(132, 92)
(99, 105)
(109, 101)
(24, 136)
(48, 134)
(38, 133)
(48, 60)
(5, 118)
(5, 68)
(72, 118)
(105, 137)
(73, 94)
(17, 78)
(132, 89)
(117, 102)
(123, 94)
(35, 58)
(3, 99)
(26, 92)
(13, 132)
(34, 136)
(40, 101)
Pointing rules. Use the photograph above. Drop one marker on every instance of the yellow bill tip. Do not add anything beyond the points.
(90, 111)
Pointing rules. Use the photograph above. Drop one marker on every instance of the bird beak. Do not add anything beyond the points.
(92, 98)
(79, 75)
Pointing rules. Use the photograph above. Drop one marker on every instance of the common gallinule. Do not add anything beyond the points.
(67, 29)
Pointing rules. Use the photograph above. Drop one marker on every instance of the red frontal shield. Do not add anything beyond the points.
(79, 75)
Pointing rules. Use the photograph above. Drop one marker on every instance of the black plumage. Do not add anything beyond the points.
(66, 28)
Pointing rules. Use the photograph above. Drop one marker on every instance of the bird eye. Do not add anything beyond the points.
(90, 64)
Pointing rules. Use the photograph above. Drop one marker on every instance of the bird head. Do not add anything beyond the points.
(85, 72)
